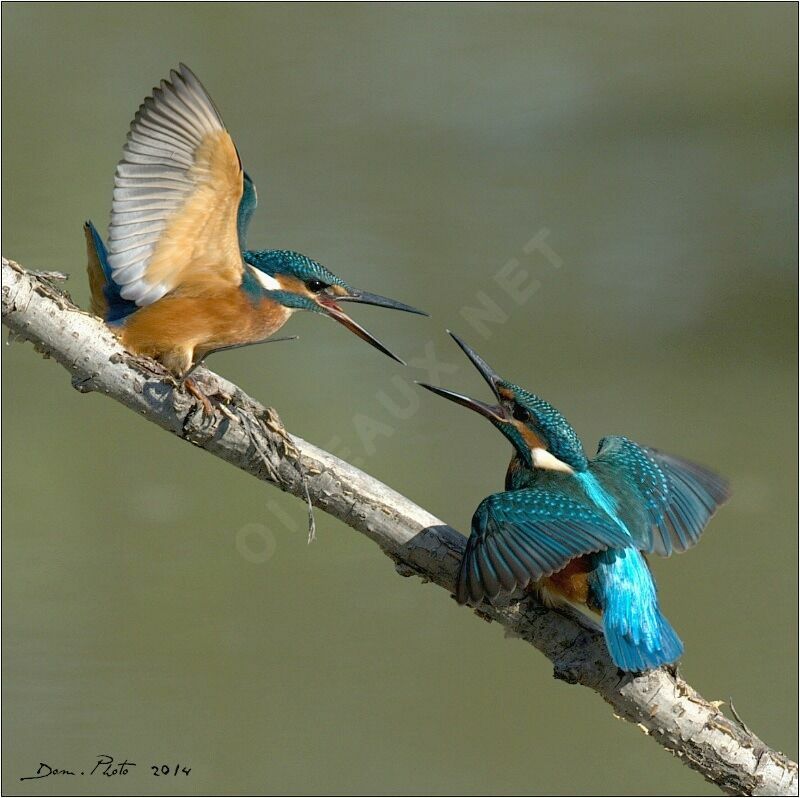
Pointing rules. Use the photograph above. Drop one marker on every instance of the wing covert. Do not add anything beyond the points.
(671, 499)
(523, 535)
(177, 191)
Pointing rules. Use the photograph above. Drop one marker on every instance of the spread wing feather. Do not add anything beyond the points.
(667, 501)
(176, 196)
(521, 536)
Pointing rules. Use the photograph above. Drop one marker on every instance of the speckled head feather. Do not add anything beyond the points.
(543, 421)
(284, 262)
(283, 274)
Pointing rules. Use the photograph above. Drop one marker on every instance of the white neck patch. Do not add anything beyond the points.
(265, 280)
(543, 459)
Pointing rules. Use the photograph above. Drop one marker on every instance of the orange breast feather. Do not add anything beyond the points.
(571, 582)
(194, 325)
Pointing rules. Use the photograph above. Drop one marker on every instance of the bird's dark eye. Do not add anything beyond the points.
(521, 414)
(315, 286)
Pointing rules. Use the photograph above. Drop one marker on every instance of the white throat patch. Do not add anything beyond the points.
(265, 280)
(543, 459)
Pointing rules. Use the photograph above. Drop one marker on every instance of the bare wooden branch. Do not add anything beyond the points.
(252, 438)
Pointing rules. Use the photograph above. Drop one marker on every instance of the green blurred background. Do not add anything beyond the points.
(161, 606)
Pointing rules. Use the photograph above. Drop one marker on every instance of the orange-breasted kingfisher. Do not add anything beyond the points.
(176, 281)
(578, 530)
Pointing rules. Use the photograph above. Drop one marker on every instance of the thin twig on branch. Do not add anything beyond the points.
(252, 438)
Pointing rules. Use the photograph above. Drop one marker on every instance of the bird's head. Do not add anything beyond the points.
(299, 283)
(540, 435)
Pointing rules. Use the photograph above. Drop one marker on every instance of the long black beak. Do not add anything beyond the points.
(366, 298)
(493, 412)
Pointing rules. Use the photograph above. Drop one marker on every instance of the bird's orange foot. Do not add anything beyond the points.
(194, 389)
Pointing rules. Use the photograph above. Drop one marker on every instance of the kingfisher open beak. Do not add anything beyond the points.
(492, 412)
(329, 306)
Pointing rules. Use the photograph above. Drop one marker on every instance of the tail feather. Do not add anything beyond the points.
(106, 301)
(94, 268)
(630, 652)
(638, 635)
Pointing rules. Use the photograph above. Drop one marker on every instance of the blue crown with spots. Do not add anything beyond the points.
(292, 264)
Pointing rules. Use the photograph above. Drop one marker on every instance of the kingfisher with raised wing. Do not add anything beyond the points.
(578, 530)
(176, 281)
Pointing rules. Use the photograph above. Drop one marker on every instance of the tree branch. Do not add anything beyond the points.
(252, 438)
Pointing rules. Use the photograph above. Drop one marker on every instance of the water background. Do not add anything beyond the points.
(161, 606)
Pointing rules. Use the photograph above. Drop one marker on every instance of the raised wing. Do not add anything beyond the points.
(520, 536)
(177, 192)
(666, 502)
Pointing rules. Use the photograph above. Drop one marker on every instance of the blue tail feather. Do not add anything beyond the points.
(118, 308)
(638, 635)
